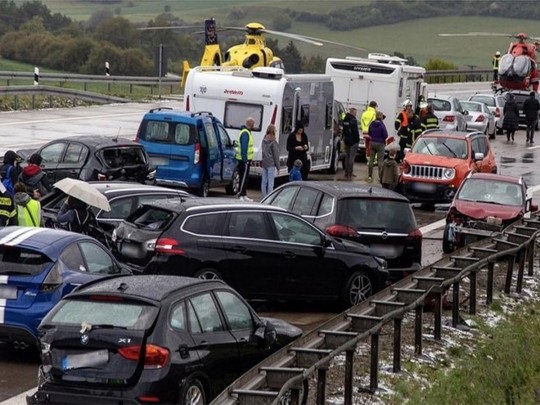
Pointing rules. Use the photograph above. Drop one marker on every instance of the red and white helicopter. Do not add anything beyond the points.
(517, 67)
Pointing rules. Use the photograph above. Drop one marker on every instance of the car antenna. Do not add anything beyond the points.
(117, 135)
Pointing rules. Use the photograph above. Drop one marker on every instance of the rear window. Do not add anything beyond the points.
(489, 101)
(16, 260)
(151, 218)
(129, 315)
(169, 132)
(440, 105)
(124, 156)
(376, 214)
(471, 106)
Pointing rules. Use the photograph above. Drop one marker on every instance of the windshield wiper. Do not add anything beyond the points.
(489, 202)
(450, 149)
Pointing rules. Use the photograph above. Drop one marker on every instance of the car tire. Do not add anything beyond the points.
(358, 288)
(208, 273)
(334, 161)
(233, 187)
(192, 393)
(204, 188)
(447, 244)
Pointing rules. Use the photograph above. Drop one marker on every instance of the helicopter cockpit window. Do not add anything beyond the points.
(236, 114)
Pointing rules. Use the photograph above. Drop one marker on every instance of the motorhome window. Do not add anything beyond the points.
(157, 131)
(328, 120)
(304, 114)
(286, 120)
(183, 134)
(236, 114)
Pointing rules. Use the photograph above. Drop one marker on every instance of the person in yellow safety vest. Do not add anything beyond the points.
(495, 63)
(429, 120)
(244, 156)
(368, 116)
(28, 208)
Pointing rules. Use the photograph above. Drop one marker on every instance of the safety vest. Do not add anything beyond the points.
(401, 124)
(249, 147)
(496, 60)
(29, 214)
(367, 118)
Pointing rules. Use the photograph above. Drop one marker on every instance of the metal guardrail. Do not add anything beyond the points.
(282, 376)
(62, 92)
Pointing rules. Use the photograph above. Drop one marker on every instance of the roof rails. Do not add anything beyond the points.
(160, 109)
(200, 113)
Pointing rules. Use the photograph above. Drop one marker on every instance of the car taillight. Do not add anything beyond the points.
(154, 356)
(168, 246)
(497, 112)
(197, 154)
(341, 231)
(480, 118)
(405, 167)
(53, 280)
(415, 234)
(449, 118)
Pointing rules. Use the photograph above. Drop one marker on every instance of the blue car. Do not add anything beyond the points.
(190, 150)
(38, 266)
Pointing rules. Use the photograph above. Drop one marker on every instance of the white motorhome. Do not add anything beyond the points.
(270, 97)
(382, 78)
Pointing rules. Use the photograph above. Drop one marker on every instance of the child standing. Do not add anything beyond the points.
(390, 171)
(270, 160)
(295, 174)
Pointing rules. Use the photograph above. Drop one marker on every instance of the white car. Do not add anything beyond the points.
(479, 118)
(495, 104)
(449, 111)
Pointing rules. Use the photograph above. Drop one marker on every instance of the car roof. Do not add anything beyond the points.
(113, 187)
(99, 141)
(442, 133)
(48, 241)
(494, 176)
(150, 287)
(214, 202)
(186, 116)
(441, 96)
(347, 190)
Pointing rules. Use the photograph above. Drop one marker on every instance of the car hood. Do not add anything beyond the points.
(429, 160)
(479, 210)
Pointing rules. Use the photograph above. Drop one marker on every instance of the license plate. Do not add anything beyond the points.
(128, 249)
(94, 359)
(386, 251)
(424, 187)
(159, 161)
(8, 292)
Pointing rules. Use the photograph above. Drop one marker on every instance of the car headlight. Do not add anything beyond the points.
(449, 173)
(381, 262)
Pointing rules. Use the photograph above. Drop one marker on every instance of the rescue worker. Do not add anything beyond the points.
(244, 156)
(351, 138)
(495, 63)
(368, 116)
(8, 211)
(401, 124)
(429, 120)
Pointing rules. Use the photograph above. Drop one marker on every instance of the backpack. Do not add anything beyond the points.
(8, 184)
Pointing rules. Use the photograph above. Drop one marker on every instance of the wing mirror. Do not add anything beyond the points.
(235, 144)
(478, 156)
(265, 333)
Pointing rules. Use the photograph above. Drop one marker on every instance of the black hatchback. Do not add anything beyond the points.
(263, 252)
(151, 339)
(381, 219)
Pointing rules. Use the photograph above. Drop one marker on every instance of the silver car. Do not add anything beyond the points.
(479, 118)
(449, 111)
(495, 104)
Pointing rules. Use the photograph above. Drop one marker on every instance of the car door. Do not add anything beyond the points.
(51, 156)
(212, 153)
(228, 162)
(480, 145)
(73, 160)
(253, 255)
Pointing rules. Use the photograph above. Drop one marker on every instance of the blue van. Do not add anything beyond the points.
(189, 149)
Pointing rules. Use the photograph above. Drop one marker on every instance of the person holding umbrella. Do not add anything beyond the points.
(75, 215)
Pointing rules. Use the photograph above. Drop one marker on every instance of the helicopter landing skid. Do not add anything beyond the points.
(497, 90)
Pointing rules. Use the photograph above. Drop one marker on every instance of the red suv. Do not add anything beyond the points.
(440, 160)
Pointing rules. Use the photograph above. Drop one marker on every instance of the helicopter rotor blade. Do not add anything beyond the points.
(325, 41)
(478, 34)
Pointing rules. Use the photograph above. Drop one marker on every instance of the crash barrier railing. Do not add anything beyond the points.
(283, 377)
(458, 76)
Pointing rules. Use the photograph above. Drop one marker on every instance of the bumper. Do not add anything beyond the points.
(428, 192)
(18, 336)
(43, 396)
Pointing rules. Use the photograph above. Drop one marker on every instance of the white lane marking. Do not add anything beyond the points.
(431, 227)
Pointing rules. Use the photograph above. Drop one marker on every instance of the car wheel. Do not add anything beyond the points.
(233, 187)
(192, 393)
(447, 242)
(334, 162)
(204, 188)
(208, 274)
(357, 289)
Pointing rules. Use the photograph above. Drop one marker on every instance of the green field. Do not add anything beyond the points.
(418, 38)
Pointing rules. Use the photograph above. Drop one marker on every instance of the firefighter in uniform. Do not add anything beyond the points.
(401, 124)
(495, 63)
(429, 120)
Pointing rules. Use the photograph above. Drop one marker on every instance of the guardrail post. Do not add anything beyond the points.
(396, 368)
(530, 259)
(16, 102)
(374, 372)
(437, 315)
(418, 321)
(455, 304)
(489, 291)
(521, 270)
(472, 293)
(349, 361)
(509, 271)
(321, 386)
(33, 102)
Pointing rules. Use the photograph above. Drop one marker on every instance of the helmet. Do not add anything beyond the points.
(497, 53)
(406, 103)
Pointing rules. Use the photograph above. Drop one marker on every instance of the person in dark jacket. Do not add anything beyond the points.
(10, 167)
(297, 146)
(34, 178)
(378, 134)
(75, 216)
(11, 159)
(531, 106)
(351, 138)
(511, 117)
(270, 160)
(390, 171)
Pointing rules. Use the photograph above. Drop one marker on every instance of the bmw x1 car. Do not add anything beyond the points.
(151, 339)
(38, 266)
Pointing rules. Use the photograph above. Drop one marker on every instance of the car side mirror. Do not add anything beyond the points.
(265, 333)
(478, 156)
(406, 150)
(465, 112)
(326, 242)
(235, 144)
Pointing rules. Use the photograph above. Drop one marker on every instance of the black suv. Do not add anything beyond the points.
(376, 217)
(264, 252)
(520, 96)
(95, 157)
